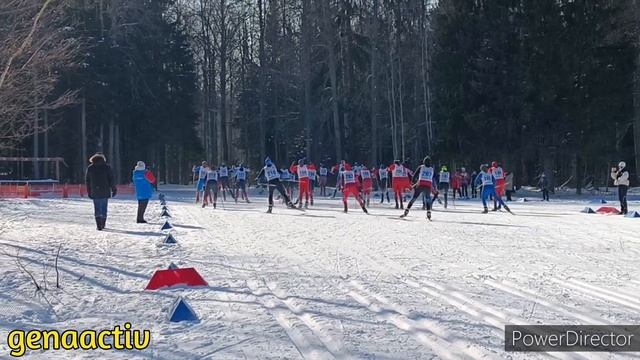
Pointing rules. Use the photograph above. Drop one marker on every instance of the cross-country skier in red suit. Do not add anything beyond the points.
(351, 187)
(399, 182)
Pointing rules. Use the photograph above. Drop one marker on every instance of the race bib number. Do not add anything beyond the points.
(498, 173)
(323, 172)
(426, 174)
(487, 179)
(398, 171)
(444, 177)
(349, 177)
(212, 175)
(203, 173)
(271, 173)
(366, 174)
(312, 174)
(241, 175)
(383, 174)
(303, 172)
(224, 172)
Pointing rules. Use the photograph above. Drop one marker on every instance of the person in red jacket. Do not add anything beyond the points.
(399, 182)
(302, 171)
(498, 174)
(351, 187)
(367, 183)
(456, 182)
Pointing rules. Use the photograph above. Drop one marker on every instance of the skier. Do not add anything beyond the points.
(100, 187)
(620, 178)
(144, 189)
(350, 186)
(367, 183)
(303, 181)
(399, 182)
(543, 184)
(456, 184)
(241, 183)
(443, 183)
(223, 176)
(383, 182)
(313, 176)
(423, 182)
(286, 181)
(212, 186)
(337, 171)
(498, 174)
(323, 171)
(202, 175)
(272, 175)
(488, 182)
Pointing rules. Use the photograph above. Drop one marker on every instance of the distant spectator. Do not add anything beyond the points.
(620, 177)
(144, 189)
(543, 184)
(510, 186)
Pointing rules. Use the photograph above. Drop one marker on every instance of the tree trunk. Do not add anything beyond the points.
(222, 121)
(333, 76)
(636, 91)
(374, 86)
(306, 68)
(261, 86)
(83, 136)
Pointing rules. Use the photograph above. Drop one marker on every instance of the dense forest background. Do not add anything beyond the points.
(545, 85)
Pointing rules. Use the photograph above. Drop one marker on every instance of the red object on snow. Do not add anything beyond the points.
(175, 277)
(608, 210)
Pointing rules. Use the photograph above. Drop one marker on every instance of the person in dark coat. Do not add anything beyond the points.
(543, 184)
(100, 187)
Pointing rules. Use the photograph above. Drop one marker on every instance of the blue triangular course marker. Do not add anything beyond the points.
(587, 210)
(633, 214)
(165, 213)
(169, 239)
(599, 201)
(181, 311)
(166, 226)
(173, 266)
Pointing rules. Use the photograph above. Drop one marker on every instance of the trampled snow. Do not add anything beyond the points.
(319, 284)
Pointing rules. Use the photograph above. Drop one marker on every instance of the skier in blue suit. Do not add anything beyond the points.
(488, 183)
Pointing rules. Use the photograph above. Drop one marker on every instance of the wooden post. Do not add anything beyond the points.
(46, 142)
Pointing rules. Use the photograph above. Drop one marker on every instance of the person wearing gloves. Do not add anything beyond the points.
(620, 177)
(100, 187)
(144, 189)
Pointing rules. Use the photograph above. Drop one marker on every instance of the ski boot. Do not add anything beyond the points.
(311, 201)
(270, 210)
(406, 212)
(346, 209)
(306, 204)
(485, 211)
(364, 209)
(214, 205)
(429, 215)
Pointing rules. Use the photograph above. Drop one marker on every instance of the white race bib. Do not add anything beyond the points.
(224, 172)
(212, 175)
(426, 174)
(444, 177)
(271, 172)
(366, 174)
(487, 179)
(498, 173)
(383, 173)
(241, 174)
(323, 171)
(203, 173)
(349, 177)
(399, 171)
(303, 172)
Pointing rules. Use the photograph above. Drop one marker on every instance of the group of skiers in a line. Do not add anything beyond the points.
(101, 186)
(355, 180)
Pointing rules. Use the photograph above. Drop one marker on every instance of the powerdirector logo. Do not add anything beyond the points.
(603, 338)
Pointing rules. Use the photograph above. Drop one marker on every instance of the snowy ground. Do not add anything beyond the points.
(320, 284)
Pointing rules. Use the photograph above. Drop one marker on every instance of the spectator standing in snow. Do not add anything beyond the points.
(510, 185)
(543, 184)
(144, 189)
(620, 178)
(474, 189)
(100, 187)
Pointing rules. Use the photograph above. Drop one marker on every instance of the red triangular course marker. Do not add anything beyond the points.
(608, 210)
(175, 277)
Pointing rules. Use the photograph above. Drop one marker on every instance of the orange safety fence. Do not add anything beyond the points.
(52, 190)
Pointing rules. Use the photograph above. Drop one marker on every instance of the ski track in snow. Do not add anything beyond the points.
(319, 284)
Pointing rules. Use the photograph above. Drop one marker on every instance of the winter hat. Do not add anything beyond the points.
(622, 165)
(140, 166)
(463, 169)
(443, 168)
(268, 161)
(97, 157)
(427, 161)
(484, 167)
